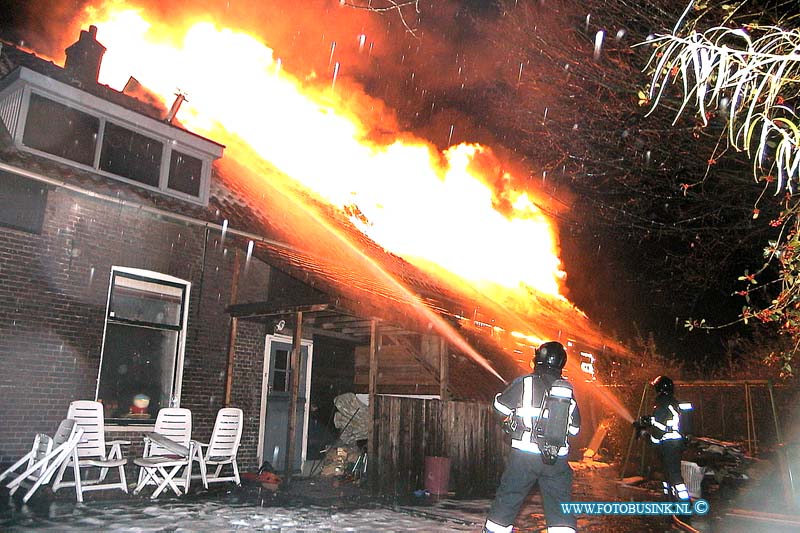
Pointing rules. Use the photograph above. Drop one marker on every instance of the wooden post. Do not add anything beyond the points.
(722, 417)
(294, 369)
(702, 417)
(232, 332)
(633, 434)
(748, 406)
(444, 371)
(444, 395)
(778, 435)
(374, 348)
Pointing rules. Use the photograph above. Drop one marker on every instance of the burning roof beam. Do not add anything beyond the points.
(335, 335)
(261, 310)
(363, 330)
(329, 320)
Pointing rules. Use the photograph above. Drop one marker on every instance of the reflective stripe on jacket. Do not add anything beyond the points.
(666, 421)
(523, 399)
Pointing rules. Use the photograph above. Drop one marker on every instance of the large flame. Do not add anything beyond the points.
(426, 206)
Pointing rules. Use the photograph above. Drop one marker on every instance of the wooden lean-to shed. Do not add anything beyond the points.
(413, 347)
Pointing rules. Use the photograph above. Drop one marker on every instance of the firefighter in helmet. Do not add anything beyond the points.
(539, 444)
(668, 436)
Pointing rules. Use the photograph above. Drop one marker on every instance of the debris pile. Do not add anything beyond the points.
(347, 457)
(340, 460)
(351, 418)
(723, 460)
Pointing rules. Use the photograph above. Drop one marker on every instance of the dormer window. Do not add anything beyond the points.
(131, 155)
(61, 131)
(58, 121)
(185, 173)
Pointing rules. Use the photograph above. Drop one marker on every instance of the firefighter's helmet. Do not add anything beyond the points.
(551, 354)
(663, 385)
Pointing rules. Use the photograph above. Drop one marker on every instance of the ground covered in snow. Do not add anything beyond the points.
(218, 511)
(321, 504)
(222, 516)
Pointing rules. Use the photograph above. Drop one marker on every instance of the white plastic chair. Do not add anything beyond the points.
(42, 446)
(168, 449)
(221, 450)
(92, 453)
(692, 474)
(45, 457)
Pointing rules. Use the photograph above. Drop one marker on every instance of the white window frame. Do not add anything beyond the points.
(14, 106)
(153, 277)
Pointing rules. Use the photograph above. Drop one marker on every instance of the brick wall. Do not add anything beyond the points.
(247, 382)
(53, 290)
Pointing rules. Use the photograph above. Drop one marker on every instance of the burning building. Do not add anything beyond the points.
(139, 260)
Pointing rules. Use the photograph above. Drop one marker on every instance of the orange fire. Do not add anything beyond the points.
(326, 133)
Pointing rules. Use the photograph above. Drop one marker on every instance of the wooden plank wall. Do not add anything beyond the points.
(407, 430)
(398, 372)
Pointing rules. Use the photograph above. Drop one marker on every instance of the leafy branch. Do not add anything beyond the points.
(746, 74)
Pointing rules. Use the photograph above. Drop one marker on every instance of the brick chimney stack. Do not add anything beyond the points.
(84, 57)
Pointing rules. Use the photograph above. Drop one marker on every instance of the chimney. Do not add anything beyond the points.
(84, 57)
(180, 97)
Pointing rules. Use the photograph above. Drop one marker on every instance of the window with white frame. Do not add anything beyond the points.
(60, 130)
(131, 155)
(141, 365)
(61, 122)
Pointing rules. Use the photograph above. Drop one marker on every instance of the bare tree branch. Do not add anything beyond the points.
(385, 6)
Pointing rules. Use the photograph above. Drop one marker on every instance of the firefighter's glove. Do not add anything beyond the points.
(510, 424)
(642, 422)
(641, 425)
